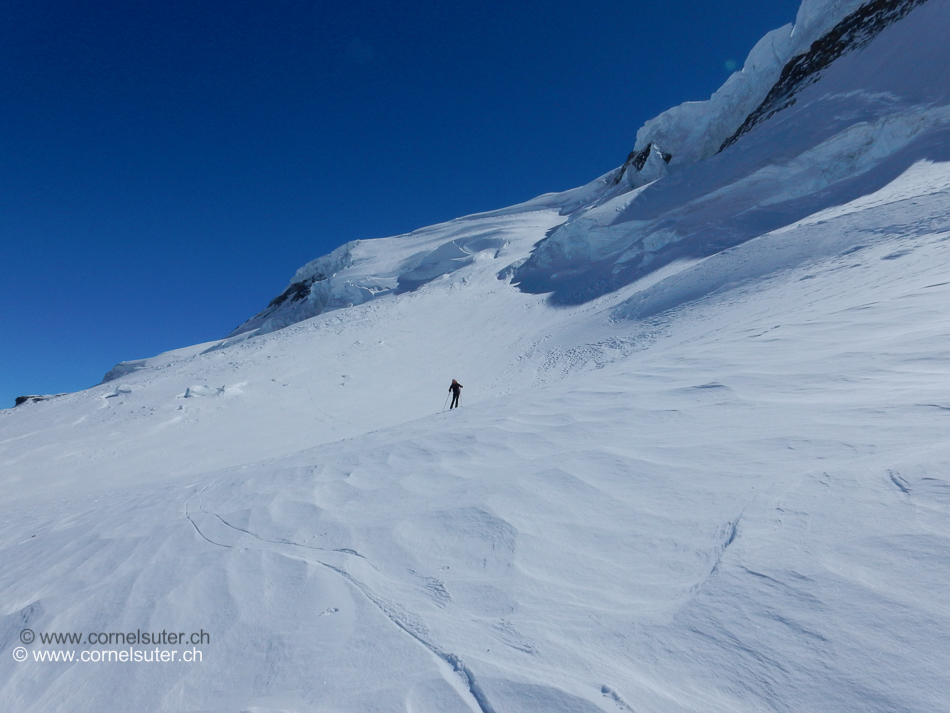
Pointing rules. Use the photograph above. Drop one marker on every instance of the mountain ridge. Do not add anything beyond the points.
(826, 30)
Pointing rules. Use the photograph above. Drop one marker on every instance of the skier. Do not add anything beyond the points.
(456, 389)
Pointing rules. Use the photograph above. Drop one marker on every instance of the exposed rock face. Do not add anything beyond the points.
(854, 32)
(20, 400)
(638, 159)
(297, 291)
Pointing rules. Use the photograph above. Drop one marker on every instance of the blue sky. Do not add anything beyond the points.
(165, 167)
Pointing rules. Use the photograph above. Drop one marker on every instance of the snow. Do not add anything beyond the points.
(695, 130)
(741, 506)
(721, 486)
(361, 271)
(874, 112)
(157, 362)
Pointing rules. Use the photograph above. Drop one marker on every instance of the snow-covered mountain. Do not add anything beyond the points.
(700, 462)
(842, 102)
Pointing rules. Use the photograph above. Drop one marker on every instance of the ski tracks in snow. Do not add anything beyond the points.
(459, 676)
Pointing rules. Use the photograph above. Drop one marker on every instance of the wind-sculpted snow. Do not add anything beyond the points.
(447, 258)
(719, 487)
(741, 506)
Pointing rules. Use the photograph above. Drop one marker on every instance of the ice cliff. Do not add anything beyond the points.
(822, 113)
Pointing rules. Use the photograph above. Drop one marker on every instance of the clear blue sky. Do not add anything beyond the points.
(165, 167)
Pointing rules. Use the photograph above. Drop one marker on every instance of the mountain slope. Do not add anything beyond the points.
(740, 507)
(722, 486)
(867, 117)
(828, 110)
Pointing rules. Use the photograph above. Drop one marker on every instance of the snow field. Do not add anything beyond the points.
(741, 504)
(720, 486)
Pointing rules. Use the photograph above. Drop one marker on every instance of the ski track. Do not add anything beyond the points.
(392, 612)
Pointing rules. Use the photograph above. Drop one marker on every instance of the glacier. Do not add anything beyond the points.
(864, 120)
(700, 462)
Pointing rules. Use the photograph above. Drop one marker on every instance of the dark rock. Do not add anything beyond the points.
(297, 291)
(20, 400)
(638, 159)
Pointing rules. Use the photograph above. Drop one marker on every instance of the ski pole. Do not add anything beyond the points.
(446, 402)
